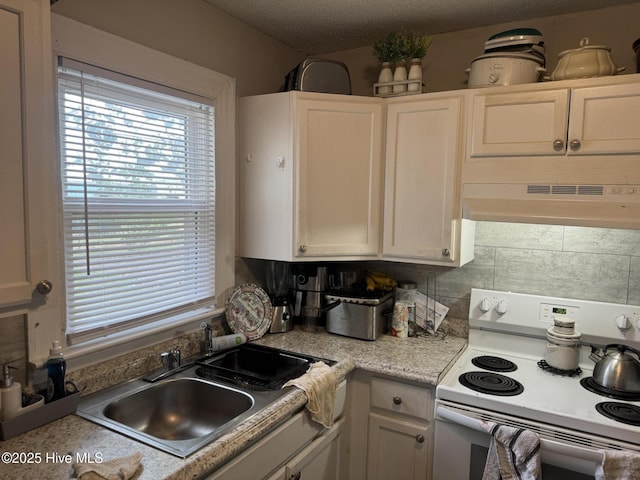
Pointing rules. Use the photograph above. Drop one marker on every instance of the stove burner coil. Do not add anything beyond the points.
(495, 364)
(590, 384)
(491, 383)
(620, 412)
(565, 373)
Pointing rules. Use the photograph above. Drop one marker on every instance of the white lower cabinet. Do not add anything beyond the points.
(298, 449)
(321, 460)
(390, 428)
(399, 439)
(398, 449)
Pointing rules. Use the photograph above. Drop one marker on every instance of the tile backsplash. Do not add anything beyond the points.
(576, 262)
(13, 346)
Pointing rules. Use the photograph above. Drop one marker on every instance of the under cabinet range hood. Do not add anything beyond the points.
(610, 206)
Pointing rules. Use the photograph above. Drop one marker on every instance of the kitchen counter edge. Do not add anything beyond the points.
(65, 441)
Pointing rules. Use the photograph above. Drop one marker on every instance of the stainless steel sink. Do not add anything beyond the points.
(179, 409)
(178, 415)
(190, 408)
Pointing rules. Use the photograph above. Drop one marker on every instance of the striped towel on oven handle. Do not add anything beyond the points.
(514, 454)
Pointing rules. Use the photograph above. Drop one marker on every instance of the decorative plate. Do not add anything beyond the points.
(249, 311)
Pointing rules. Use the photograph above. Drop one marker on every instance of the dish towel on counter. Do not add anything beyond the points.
(319, 383)
(619, 465)
(514, 453)
(116, 469)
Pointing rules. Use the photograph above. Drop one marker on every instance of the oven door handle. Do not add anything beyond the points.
(546, 445)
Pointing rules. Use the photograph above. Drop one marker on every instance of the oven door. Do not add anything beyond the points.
(461, 445)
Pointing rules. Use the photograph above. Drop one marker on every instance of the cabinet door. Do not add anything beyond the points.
(398, 449)
(26, 129)
(524, 123)
(320, 460)
(339, 179)
(605, 120)
(422, 157)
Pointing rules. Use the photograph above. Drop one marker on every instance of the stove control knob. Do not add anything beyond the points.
(623, 323)
(502, 307)
(485, 305)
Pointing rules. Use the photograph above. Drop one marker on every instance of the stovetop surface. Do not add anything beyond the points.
(547, 397)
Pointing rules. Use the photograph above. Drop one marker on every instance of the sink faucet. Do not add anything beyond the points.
(208, 338)
(171, 359)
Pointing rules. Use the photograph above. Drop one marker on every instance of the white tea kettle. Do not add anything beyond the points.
(617, 367)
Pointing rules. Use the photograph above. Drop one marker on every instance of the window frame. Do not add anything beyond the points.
(86, 44)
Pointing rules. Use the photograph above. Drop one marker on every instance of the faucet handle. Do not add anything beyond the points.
(171, 359)
(164, 356)
(175, 355)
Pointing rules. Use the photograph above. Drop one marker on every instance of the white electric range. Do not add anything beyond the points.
(507, 341)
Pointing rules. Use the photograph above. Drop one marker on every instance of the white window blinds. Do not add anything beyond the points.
(138, 186)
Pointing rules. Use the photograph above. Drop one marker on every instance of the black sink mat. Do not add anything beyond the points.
(256, 367)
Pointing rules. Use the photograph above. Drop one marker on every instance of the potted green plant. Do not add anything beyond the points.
(387, 50)
(415, 48)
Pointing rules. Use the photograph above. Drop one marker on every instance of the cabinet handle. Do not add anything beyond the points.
(420, 438)
(575, 144)
(302, 249)
(397, 400)
(296, 475)
(558, 144)
(44, 287)
(445, 252)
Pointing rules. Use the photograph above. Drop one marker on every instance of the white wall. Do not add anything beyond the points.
(195, 31)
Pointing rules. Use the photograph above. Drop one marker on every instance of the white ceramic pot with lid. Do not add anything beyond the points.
(505, 68)
(563, 344)
(585, 62)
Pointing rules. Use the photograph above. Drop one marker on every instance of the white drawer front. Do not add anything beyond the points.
(402, 398)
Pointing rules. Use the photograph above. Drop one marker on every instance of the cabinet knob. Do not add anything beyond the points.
(558, 144)
(302, 249)
(420, 438)
(445, 252)
(397, 400)
(44, 287)
(296, 475)
(575, 145)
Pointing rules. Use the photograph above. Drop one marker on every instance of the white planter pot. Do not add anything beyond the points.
(386, 75)
(400, 74)
(415, 73)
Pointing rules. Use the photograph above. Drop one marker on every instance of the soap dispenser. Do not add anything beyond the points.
(10, 395)
(56, 369)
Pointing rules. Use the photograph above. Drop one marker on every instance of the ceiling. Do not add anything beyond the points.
(323, 26)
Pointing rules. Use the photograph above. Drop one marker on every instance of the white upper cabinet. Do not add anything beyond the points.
(568, 132)
(27, 204)
(310, 176)
(587, 120)
(605, 120)
(524, 123)
(422, 213)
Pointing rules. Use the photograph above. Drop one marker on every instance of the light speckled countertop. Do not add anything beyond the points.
(422, 359)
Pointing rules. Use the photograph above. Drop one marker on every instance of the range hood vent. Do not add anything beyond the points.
(566, 189)
(611, 206)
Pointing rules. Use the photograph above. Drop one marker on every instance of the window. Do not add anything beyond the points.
(138, 196)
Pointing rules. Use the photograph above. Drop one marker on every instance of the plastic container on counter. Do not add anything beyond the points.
(406, 292)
